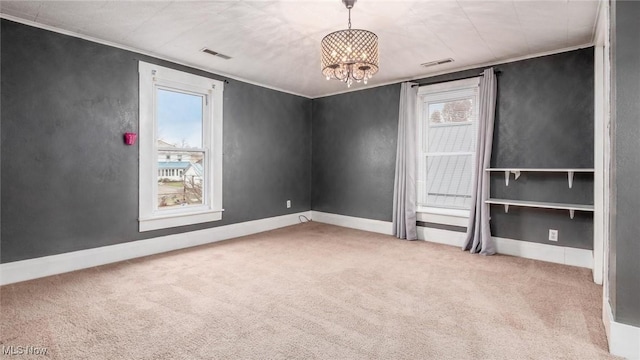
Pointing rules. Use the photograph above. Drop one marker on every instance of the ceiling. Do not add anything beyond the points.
(277, 43)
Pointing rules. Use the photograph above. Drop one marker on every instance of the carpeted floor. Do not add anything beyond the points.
(310, 291)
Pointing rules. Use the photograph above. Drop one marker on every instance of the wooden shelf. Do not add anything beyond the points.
(517, 172)
(540, 204)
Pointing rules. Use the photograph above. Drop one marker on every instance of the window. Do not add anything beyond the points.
(180, 148)
(447, 114)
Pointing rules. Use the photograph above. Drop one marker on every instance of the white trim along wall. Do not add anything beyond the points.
(525, 249)
(248, 81)
(57, 264)
(377, 226)
(602, 144)
(624, 340)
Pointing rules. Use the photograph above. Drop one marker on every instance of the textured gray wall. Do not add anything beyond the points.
(69, 183)
(545, 112)
(354, 152)
(625, 249)
(544, 119)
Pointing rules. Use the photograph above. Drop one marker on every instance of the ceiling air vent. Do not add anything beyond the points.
(437, 62)
(215, 53)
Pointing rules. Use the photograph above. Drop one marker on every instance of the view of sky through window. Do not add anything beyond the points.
(179, 118)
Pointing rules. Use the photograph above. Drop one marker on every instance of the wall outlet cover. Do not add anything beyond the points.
(553, 235)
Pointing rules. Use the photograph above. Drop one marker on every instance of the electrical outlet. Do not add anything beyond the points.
(553, 235)
(288, 204)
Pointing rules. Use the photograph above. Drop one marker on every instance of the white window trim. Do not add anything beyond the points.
(151, 218)
(437, 215)
(454, 217)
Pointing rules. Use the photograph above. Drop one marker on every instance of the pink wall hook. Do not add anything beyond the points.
(130, 138)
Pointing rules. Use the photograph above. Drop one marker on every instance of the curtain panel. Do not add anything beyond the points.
(404, 190)
(478, 239)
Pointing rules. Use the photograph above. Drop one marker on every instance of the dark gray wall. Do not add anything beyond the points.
(354, 152)
(624, 266)
(544, 119)
(545, 112)
(69, 182)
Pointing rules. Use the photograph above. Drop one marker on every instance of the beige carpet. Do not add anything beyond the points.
(311, 291)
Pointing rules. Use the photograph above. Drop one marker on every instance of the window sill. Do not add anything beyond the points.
(452, 217)
(173, 220)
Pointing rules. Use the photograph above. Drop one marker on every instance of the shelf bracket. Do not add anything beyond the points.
(506, 176)
(517, 174)
(506, 208)
(570, 177)
(571, 213)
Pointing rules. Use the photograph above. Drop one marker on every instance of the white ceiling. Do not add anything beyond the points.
(277, 43)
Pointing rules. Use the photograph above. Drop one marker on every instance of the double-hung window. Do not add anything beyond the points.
(447, 115)
(180, 148)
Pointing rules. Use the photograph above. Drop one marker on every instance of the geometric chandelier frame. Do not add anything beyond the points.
(349, 55)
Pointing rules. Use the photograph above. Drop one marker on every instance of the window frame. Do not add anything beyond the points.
(150, 216)
(442, 92)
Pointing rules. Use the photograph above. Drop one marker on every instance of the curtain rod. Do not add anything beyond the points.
(497, 72)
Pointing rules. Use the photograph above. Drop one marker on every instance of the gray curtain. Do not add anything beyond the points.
(404, 190)
(478, 231)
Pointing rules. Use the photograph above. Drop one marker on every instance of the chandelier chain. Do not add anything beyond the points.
(349, 18)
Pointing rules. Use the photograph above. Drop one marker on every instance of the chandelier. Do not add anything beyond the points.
(350, 55)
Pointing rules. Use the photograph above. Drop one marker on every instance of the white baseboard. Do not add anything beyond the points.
(606, 315)
(624, 340)
(377, 226)
(57, 264)
(525, 249)
(545, 252)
